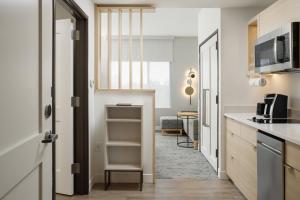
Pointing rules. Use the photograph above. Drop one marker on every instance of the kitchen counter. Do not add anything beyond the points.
(288, 132)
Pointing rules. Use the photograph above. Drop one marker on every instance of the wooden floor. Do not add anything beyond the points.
(165, 189)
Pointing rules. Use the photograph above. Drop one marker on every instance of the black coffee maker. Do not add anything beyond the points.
(275, 106)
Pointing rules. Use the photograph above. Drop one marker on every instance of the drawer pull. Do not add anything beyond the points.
(290, 168)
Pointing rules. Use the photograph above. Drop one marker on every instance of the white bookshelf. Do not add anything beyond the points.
(123, 138)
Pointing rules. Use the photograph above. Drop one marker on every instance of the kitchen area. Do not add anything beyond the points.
(259, 97)
(263, 145)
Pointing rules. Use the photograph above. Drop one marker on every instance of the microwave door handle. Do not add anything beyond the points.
(275, 50)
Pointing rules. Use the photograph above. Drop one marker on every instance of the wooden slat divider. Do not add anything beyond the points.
(97, 46)
(109, 49)
(130, 48)
(120, 10)
(141, 48)
(120, 48)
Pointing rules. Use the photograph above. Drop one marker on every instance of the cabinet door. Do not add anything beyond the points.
(248, 169)
(292, 183)
(292, 155)
(274, 17)
(232, 156)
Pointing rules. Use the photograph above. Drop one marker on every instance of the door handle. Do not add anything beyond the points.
(48, 111)
(50, 137)
(204, 111)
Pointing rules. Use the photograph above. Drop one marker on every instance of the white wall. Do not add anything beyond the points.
(88, 7)
(209, 20)
(234, 88)
(113, 97)
(163, 22)
(185, 51)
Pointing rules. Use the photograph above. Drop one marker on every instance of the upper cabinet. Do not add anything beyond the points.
(278, 14)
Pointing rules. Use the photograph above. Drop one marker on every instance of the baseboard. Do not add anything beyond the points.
(222, 175)
(124, 178)
(91, 183)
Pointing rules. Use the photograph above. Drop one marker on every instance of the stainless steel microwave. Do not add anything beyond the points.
(279, 50)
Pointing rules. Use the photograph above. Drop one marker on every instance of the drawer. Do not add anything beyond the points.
(292, 182)
(232, 166)
(248, 157)
(232, 156)
(249, 134)
(292, 155)
(233, 126)
(233, 143)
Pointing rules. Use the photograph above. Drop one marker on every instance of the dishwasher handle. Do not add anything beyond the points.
(269, 147)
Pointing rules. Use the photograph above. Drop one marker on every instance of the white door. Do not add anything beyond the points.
(64, 110)
(209, 105)
(25, 86)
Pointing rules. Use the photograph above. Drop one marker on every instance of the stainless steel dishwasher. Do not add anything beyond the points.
(270, 167)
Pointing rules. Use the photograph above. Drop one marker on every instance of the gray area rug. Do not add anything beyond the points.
(173, 162)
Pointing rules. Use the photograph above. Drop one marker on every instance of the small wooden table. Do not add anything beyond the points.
(186, 115)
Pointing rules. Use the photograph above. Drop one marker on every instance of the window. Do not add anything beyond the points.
(156, 75)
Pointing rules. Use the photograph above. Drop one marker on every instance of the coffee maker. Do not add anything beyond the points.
(275, 106)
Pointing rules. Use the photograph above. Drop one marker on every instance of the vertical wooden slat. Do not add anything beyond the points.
(120, 48)
(141, 47)
(109, 49)
(130, 48)
(97, 47)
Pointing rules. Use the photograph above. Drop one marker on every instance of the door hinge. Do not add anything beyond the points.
(75, 168)
(75, 35)
(52, 91)
(217, 45)
(217, 153)
(75, 102)
(217, 99)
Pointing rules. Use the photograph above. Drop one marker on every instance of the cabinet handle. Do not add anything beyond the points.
(290, 168)
(232, 157)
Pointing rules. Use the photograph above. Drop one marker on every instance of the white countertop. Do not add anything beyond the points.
(288, 132)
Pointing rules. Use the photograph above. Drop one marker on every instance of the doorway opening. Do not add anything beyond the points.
(178, 139)
(70, 99)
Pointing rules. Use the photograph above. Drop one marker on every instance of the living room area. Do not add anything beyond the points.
(178, 152)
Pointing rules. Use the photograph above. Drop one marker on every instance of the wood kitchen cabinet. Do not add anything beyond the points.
(278, 14)
(241, 157)
(292, 171)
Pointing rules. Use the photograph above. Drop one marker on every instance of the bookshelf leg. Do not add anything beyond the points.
(109, 178)
(105, 180)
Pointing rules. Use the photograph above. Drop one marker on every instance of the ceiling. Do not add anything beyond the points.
(193, 3)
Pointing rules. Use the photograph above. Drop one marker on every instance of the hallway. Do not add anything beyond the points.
(173, 162)
(164, 190)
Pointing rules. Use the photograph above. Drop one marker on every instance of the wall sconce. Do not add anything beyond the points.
(189, 90)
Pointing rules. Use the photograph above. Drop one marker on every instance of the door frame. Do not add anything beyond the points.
(81, 89)
(215, 33)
